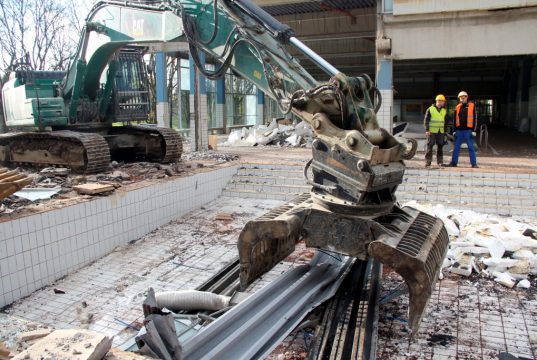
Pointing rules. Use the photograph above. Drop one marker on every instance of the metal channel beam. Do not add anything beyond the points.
(252, 329)
(348, 330)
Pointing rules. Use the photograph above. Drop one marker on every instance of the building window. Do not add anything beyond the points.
(387, 6)
(241, 101)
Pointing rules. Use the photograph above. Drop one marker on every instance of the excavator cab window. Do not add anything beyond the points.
(131, 95)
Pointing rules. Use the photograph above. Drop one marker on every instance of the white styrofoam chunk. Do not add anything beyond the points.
(502, 264)
(524, 284)
(504, 279)
(523, 254)
(496, 247)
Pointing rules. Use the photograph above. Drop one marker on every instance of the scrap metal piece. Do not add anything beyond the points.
(12, 181)
(253, 328)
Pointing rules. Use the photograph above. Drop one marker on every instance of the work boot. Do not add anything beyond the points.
(475, 166)
(427, 164)
(452, 165)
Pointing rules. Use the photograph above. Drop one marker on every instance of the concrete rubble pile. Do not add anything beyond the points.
(501, 248)
(299, 135)
(63, 184)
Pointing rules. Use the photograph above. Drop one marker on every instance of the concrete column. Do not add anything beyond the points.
(260, 116)
(221, 103)
(512, 99)
(524, 85)
(163, 107)
(385, 85)
(199, 119)
(532, 107)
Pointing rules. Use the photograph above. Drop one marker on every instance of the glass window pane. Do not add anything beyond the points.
(388, 6)
(185, 78)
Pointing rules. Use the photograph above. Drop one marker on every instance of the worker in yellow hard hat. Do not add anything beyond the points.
(435, 128)
(465, 125)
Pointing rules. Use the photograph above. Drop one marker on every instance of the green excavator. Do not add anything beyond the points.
(356, 166)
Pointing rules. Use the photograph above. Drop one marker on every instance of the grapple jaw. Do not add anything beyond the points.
(269, 239)
(413, 243)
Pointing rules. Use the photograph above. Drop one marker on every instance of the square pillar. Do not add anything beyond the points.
(163, 107)
(260, 116)
(385, 85)
(221, 103)
(199, 117)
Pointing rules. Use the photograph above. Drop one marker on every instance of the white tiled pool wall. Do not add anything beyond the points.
(37, 250)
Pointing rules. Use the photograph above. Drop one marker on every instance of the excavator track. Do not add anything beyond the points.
(168, 149)
(82, 152)
(170, 140)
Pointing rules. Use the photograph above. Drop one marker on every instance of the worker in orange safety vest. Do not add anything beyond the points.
(465, 125)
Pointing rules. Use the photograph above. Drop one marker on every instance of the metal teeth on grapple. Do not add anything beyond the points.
(269, 239)
(415, 247)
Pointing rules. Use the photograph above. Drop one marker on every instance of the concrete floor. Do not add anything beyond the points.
(483, 317)
(107, 295)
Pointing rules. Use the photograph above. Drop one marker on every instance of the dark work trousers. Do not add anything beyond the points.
(433, 139)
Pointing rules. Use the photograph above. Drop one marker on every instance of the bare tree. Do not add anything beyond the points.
(13, 31)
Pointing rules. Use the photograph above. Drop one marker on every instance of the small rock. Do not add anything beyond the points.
(87, 345)
(114, 164)
(58, 291)
(76, 352)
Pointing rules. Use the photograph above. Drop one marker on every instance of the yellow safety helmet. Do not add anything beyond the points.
(440, 97)
(462, 93)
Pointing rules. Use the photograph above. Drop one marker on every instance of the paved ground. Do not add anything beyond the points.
(107, 295)
(467, 318)
(483, 317)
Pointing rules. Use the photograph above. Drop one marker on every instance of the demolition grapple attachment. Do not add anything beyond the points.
(411, 242)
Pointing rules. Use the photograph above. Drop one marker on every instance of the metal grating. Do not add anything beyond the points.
(317, 6)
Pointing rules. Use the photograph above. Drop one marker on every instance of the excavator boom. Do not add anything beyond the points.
(356, 166)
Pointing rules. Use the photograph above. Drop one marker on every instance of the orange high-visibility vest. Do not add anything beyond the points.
(469, 116)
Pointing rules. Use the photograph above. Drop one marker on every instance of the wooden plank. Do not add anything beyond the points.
(92, 189)
(213, 142)
(67, 344)
(4, 351)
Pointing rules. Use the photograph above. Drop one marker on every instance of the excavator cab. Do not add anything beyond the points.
(131, 98)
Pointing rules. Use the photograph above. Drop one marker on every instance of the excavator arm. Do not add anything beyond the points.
(356, 165)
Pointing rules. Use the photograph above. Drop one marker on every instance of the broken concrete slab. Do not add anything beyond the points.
(69, 344)
(463, 265)
(93, 189)
(32, 335)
